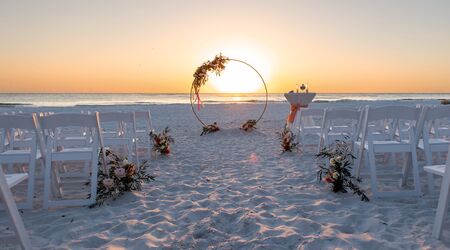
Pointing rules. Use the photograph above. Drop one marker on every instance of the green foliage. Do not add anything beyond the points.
(118, 177)
(337, 169)
(161, 142)
(249, 125)
(287, 140)
(211, 128)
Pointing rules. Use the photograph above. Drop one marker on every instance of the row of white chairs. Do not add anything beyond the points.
(58, 140)
(50, 139)
(388, 130)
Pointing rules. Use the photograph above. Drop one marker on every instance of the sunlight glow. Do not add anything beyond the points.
(236, 78)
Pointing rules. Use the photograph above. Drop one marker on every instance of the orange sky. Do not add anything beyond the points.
(146, 46)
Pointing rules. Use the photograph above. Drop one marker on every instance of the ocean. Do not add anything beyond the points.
(67, 100)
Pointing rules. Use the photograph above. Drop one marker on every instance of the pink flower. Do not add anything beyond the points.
(328, 179)
(120, 172)
(108, 183)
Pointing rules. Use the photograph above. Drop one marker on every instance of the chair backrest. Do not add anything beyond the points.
(341, 113)
(437, 112)
(430, 120)
(393, 113)
(311, 112)
(146, 116)
(121, 120)
(69, 120)
(350, 116)
(10, 123)
(91, 121)
(117, 117)
(309, 117)
(18, 121)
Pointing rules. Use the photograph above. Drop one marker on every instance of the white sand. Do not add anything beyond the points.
(234, 190)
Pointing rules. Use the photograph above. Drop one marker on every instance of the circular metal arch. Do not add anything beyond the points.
(262, 79)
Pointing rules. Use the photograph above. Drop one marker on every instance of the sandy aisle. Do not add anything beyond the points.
(234, 190)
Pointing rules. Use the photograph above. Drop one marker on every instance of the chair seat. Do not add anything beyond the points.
(309, 128)
(73, 150)
(435, 169)
(18, 155)
(16, 152)
(117, 141)
(342, 128)
(74, 138)
(14, 179)
(386, 146)
(107, 134)
(435, 142)
(73, 154)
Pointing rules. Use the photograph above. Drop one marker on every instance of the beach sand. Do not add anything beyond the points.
(235, 190)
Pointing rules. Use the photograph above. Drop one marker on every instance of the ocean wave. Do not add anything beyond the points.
(13, 104)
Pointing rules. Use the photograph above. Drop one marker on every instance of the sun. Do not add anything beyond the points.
(237, 77)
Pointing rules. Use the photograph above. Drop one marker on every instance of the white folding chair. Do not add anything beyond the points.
(73, 137)
(441, 212)
(11, 153)
(434, 138)
(6, 183)
(308, 122)
(124, 133)
(339, 124)
(143, 129)
(78, 154)
(371, 144)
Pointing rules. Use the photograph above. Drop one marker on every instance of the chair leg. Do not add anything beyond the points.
(441, 211)
(10, 168)
(373, 173)
(13, 212)
(415, 169)
(47, 182)
(56, 183)
(405, 171)
(30, 188)
(86, 168)
(429, 161)
(358, 163)
(94, 169)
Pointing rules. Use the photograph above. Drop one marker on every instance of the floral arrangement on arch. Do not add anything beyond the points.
(217, 65)
(162, 141)
(287, 140)
(119, 176)
(336, 171)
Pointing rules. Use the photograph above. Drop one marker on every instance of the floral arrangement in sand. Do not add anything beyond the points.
(211, 128)
(249, 125)
(287, 140)
(336, 171)
(119, 176)
(162, 141)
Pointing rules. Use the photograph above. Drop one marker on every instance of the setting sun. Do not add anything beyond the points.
(237, 78)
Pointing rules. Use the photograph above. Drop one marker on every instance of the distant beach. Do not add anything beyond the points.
(67, 100)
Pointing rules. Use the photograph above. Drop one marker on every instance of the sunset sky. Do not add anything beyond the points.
(155, 46)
